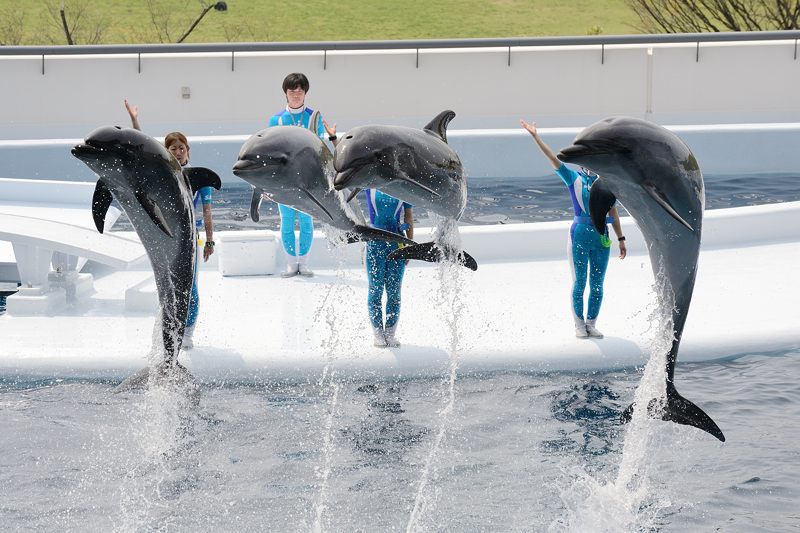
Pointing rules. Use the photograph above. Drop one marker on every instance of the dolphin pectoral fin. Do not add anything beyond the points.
(412, 181)
(200, 177)
(154, 212)
(659, 197)
(601, 200)
(362, 233)
(438, 126)
(314, 199)
(353, 194)
(428, 251)
(101, 201)
(679, 410)
(255, 204)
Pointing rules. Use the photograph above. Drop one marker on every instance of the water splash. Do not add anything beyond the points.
(338, 291)
(162, 457)
(629, 502)
(449, 298)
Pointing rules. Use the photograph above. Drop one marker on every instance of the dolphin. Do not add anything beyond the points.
(156, 194)
(414, 165)
(295, 168)
(658, 180)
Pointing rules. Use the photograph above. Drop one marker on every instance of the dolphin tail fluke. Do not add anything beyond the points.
(137, 381)
(255, 203)
(428, 251)
(681, 411)
(364, 233)
(173, 376)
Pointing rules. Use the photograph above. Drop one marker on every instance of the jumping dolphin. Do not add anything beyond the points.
(156, 194)
(414, 165)
(295, 168)
(657, 178)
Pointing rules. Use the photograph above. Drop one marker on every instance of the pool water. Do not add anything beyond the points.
(510, 200)
(520, 451)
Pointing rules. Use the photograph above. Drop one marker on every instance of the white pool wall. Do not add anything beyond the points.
(65, 96)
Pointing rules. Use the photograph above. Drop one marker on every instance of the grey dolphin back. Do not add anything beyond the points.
(657, 178)
(147, 181)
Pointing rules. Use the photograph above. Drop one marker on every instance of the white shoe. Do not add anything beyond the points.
(391, 341)
(581, 332)
(304, 271)
(291, 270)
(380, 339)
(188, 343)
(593, 331)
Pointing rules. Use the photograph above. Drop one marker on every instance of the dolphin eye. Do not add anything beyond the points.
(349, 137)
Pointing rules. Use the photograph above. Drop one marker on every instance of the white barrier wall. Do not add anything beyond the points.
(67, 96)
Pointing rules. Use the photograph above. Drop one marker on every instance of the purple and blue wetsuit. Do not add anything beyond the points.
(587, 251)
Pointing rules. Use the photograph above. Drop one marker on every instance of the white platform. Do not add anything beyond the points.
(515, 314)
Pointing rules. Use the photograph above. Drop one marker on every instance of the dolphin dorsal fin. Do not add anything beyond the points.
(438, 126)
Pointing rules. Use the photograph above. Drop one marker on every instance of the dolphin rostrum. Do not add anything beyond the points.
(156, 194)
(295, 168)
(658, 180)
(417, 166)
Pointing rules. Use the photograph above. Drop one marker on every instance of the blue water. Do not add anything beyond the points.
(521, 452)
(512, 200)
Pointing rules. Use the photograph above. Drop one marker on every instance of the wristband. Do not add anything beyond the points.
(332, 138)
(621, 238)
(210, 244)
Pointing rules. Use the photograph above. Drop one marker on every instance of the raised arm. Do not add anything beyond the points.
(133, 111)
(531, 128)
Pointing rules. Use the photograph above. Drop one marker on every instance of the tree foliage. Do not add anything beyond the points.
(690, 16)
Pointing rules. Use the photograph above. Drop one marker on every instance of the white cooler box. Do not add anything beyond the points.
(246, 253)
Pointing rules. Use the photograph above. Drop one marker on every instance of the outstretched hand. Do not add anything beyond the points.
(133, 111)
(531, 127)
(330, 130)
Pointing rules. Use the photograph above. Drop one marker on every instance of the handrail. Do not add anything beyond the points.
(324, 46)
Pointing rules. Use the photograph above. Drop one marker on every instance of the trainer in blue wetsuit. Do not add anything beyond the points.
(588, 250)
(384, 274)
(295, 87)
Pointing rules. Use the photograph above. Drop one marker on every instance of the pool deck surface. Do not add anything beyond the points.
(505, 316)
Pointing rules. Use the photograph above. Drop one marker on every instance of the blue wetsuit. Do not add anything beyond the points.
(290, 214)
(201, 197)
(384, 273)
(586, 249)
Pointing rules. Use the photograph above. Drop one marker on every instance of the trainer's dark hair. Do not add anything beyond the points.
(295, 80)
